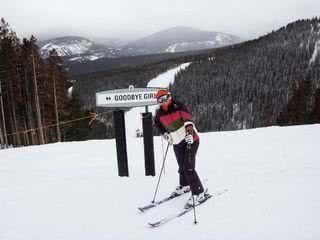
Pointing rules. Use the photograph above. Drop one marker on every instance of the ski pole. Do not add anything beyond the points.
(164, 169)
(194, 206)
(164, 159)
(194, 212)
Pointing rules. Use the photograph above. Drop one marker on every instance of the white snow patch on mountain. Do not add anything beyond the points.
(73, 48)
(203, 44)
(315, 52)
(172, 48)
(91, 57)
(220, 40)
(312, 28)
(70, 90)
(223, 38)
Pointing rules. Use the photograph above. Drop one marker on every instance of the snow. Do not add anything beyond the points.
(315, 52)
(182, 45)
(72, 191)
(63, 49)
(92, 57)
(70, 90)
(301, 45)
(223, 38)
(220, 40)
(172, 48)
(203, 44)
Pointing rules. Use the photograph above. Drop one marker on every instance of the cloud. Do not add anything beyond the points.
(247, 18)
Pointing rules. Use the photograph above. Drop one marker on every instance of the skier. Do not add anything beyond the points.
(175, 124)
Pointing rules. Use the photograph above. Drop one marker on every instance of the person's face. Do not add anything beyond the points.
(164, 100)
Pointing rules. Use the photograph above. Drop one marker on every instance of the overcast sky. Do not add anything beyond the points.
(137, 18)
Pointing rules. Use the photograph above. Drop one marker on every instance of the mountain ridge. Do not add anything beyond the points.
(176, 39)
(180, 39)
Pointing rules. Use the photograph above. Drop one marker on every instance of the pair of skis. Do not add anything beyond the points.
(156, 203)
(178, 214)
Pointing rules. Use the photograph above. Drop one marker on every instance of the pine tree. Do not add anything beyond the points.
(316, 110)
(57, 79)
(33, 93)
(8, 62)
(36, 63)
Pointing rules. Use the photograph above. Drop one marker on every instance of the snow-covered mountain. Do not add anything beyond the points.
(176, 39)
(180, 39)
(67, 46)
(77, 48)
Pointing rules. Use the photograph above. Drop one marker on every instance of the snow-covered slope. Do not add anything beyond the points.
(72, 191)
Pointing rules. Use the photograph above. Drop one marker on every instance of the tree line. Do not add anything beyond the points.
(33, 92)
(272, 80)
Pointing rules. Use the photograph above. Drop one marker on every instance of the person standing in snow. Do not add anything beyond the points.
(174, 122)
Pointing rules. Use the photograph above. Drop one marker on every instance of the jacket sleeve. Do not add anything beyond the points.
(186, 115)
(158, 124)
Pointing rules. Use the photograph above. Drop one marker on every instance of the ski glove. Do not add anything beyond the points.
(189, 129)
(168, 138)
(189, 139)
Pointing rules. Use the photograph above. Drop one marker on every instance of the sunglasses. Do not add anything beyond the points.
(163, 98)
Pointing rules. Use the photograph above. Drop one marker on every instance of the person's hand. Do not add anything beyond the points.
(189, 129)
(168, 138)
(189, 139)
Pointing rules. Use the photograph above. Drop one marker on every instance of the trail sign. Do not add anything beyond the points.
(127, 98)
(120, 100)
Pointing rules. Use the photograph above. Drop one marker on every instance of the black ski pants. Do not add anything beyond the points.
(186, 159)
